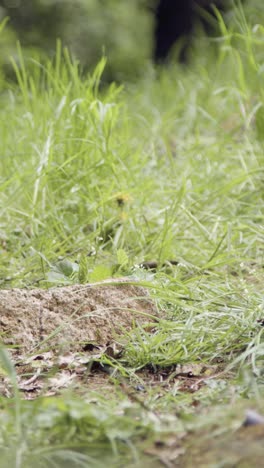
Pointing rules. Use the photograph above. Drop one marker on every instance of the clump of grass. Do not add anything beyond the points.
(186, 168)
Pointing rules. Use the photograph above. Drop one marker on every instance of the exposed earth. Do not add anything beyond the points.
(54, 334)
(57, 337)
(72, 316)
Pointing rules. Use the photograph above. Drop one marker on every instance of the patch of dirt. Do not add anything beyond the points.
(64, 339)
(187, 378)
(71, 316)
(56, 337)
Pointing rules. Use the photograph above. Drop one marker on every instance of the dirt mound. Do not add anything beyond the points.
(71, 316)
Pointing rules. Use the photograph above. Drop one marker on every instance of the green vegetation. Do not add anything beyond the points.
(122, 29)
(94, 181)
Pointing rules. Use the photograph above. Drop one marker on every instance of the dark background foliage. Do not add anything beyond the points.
(121, 29)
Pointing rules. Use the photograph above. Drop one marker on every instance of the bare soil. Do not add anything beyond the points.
(71, 316)
(57, 337)
(54, 335)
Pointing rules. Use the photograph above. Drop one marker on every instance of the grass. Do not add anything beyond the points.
(94, 182)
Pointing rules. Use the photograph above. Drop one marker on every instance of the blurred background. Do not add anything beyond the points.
(123, 30)
(120, 29)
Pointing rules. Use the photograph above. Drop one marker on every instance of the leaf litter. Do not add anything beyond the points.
(68, 337)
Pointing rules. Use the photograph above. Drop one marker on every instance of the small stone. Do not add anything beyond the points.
(253, 418)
